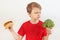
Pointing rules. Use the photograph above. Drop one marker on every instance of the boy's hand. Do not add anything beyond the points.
(10, 29)
(48, 31)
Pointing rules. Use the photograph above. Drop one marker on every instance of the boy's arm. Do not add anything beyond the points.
(17, 37)
(47, 36)
(9, 25)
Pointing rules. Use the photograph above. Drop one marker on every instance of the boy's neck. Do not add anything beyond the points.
(34, 21)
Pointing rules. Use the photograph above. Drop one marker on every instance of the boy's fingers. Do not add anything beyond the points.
(48, 31)
(9, 28)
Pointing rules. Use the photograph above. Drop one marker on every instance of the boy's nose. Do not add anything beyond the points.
(38, 14)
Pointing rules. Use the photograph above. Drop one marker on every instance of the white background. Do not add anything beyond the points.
(15, 10)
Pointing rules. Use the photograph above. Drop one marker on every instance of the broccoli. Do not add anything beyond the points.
(48, 23)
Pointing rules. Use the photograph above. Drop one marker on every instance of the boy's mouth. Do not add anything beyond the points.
(38, 17)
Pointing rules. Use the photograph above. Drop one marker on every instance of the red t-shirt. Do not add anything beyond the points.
(32, 31)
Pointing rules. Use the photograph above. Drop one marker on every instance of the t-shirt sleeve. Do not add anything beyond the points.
(44, 32)
(21, 31)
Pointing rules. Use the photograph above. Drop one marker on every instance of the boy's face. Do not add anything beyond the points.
(35, 13)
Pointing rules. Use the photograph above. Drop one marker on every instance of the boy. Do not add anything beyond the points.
(33, 28)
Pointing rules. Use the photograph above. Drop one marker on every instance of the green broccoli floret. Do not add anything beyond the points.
(48, 23)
